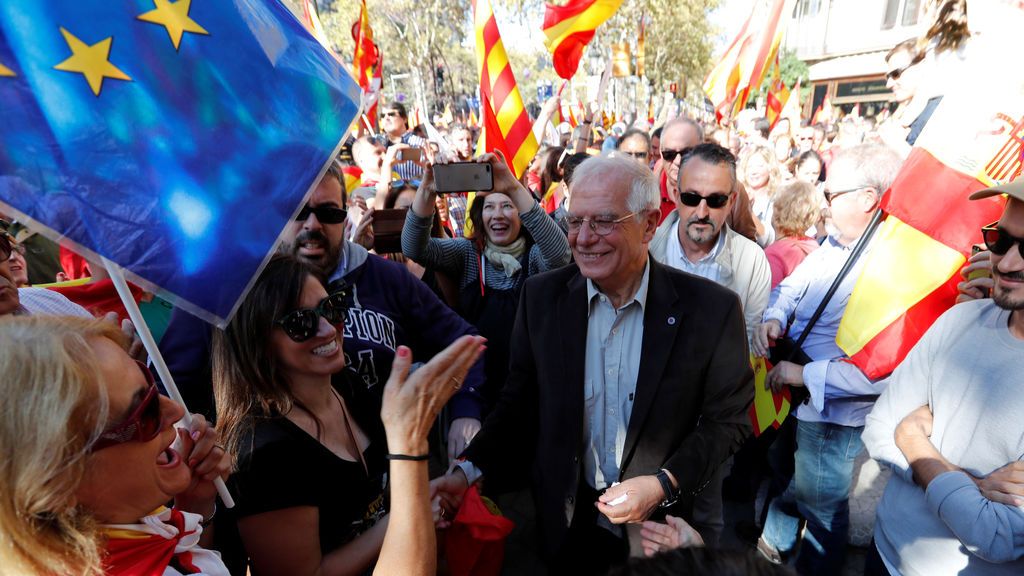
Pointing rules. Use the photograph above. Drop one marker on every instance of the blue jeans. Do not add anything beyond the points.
(819, 493)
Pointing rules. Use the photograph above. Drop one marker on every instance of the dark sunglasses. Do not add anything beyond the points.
(302, 324)
(390, 114)
(692, 199)
(142, 425)
(670, 155)
(325, 214)
(1000, 241)
(399, 184)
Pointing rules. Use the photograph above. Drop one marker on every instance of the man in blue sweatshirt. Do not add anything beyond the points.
(389, 306)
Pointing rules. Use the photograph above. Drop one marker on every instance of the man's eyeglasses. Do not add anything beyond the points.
(639, 155)
(142, 425)
(670, 155)
(325, 214)
(390, 114)
(302, 324)
(1000, 241)
(5, 248)
(599, 226)
(692, 199)
(830, 196)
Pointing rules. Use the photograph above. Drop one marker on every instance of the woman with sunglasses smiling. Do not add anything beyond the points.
(91, 460)
(312, 442)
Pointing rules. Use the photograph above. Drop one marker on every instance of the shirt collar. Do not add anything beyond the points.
(641, 292)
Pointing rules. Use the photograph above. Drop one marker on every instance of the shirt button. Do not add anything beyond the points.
(570, 499)
(603, 299)
(575, 459)
(614, 332)
(611, 411)
(611, 372)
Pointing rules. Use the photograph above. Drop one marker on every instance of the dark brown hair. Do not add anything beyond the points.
(247, 378)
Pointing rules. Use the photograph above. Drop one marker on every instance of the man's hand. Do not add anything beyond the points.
(643, 495)
(784, 373)
(1005, 485)
(460, 434)
(657, 537)
(765, 334)
(981, 286)
(363, 234)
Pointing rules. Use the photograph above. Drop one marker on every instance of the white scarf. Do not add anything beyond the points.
(506, 257)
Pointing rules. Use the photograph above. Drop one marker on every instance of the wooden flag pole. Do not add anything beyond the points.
(121, 285)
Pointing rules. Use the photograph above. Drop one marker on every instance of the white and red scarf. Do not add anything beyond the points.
(165, 543)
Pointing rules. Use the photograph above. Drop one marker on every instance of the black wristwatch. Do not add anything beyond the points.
(671, 495)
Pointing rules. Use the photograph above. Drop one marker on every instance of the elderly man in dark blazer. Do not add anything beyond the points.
(629, 382)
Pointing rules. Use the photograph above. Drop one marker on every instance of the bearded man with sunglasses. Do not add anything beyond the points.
(950, 427)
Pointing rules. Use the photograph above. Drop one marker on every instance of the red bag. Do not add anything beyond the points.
(475, 543)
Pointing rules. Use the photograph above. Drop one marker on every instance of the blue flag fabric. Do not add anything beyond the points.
(176, 139)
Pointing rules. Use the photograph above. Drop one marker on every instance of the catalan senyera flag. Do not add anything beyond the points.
(506, 124)
(778, 94)
(569, 28)
(769, 410)
(745, 62)
(365, 56)
(912, 271)
(312, 18)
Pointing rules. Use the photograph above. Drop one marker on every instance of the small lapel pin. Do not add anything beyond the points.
(671, 320)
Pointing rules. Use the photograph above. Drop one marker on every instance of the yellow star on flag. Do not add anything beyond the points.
(174, 17)
(91, 61)
(5, 71)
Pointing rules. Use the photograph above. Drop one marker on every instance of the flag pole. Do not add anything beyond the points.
(117, 277)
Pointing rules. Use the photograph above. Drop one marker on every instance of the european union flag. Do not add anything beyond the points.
(175, 138)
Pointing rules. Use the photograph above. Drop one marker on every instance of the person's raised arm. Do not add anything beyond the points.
(411, 404)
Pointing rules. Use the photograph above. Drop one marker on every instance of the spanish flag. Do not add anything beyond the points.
(506, 124)
(778, 95)
(911, 274)
(745, 62)
(569, 28)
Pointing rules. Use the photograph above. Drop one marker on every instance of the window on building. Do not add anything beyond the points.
(910, 12)
(806, 8)
(892, 9)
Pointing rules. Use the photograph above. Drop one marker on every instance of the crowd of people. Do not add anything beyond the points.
(584, 332)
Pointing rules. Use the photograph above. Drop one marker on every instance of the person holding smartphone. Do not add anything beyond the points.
(512, 239)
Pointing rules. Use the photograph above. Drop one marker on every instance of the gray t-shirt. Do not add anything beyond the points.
(967, 368)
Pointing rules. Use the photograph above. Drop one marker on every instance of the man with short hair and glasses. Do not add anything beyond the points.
(829, 424)
(27, 300)
(949, 425)
(394, 125)
(628, 384)
(677, 137)
(636, 144)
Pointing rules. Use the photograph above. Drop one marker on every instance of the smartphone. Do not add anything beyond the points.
(463, 177)
(387, 230)
(980, 272)
(409, 155)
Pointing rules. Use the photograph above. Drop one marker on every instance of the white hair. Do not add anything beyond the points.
(644, 194)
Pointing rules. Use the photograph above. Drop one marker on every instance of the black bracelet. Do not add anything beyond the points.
(420, 458)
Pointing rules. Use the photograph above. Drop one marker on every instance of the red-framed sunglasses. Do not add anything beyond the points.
(142, 425)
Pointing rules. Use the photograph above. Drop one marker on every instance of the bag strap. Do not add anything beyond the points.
(865, 239)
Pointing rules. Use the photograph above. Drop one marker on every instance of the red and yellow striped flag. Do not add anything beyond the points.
(745, 62)
(791, 107)
(778, 94)
(569, 28)
(768, 410)
(312, 21)
(365, 56)
(506, 125)
(911, 273)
